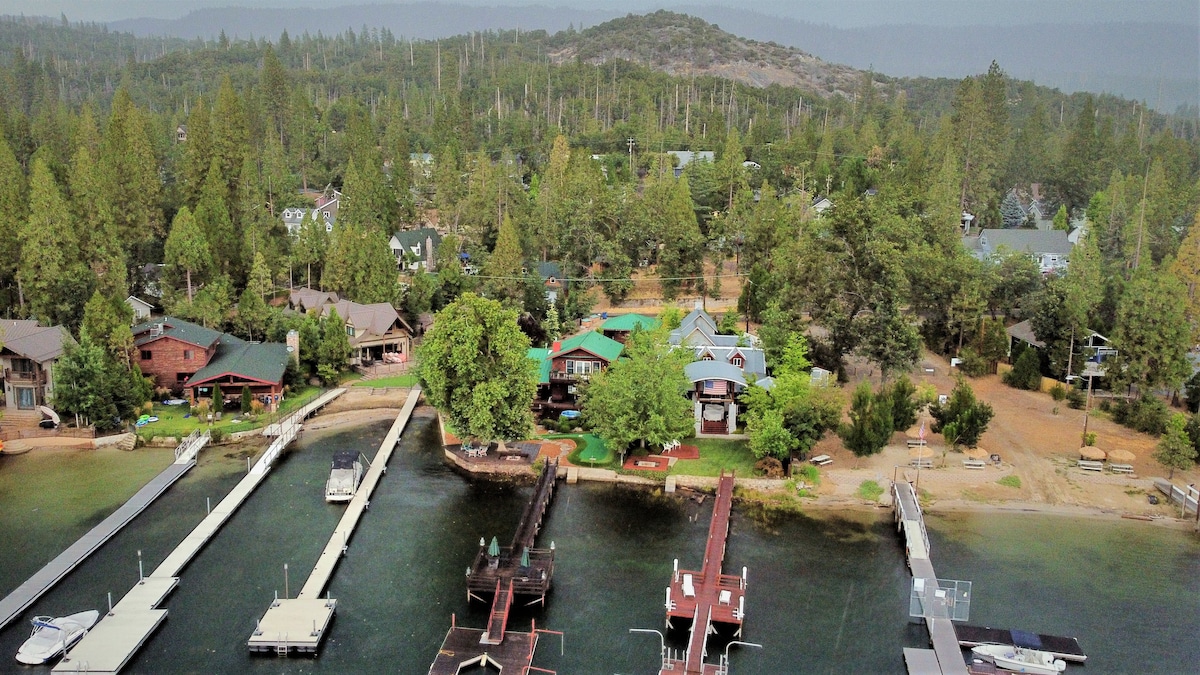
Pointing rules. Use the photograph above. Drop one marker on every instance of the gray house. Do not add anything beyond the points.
(28, 357)
(416, 249)
(1051, 249)
(685, 157)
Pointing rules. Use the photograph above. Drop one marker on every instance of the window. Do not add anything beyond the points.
(180, 378)
(350, 331)
(188, 354)
(146, 355)
(707, 357)
(737, 361)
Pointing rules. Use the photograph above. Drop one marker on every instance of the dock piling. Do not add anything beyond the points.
(141, 573)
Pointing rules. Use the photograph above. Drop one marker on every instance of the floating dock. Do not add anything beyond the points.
(707, 597)
(946, 657)
(518, 569)
(1065, 648)
(299, 624)
(112, 642)
(28, 592)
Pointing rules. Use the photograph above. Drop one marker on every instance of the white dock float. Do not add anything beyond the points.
(299, 624)
(112, 642)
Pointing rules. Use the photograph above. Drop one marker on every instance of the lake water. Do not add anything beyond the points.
(827, 594)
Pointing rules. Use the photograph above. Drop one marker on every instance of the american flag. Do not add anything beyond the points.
(716, 387)
(921, 431)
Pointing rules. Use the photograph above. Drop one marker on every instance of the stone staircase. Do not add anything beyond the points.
(20, 419)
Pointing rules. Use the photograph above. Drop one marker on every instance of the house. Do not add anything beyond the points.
(141, 308)
(567, 363)
(376, 331)
(422, 162)
(698, 331)
(715, 386)
(621, 326)
(685, 157)
(1051, 249)
(552, 279)
(181, 133)
(326, 210)
(307, 300)
(1092, 348)
(821, 204)
(28, 357)
(416, 250)
(183, 356)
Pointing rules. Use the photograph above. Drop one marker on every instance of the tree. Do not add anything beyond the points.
(1186, 268)
(1152, 335)
(769, 437)
(81, 378)
(962, 419)
(213, 219)
(475, 370)
(1175, 449)
(310, 246)
(51, 272)
(186, 249)
(1011, 212)
(808, 411)
(641, 397)
(360, 264)
(889, 339)
(247, 399)
(334, 352)
(870, 425)
(1061, 220)
(1027, 372)
(110, 317)
(904, 403)
(503, 266)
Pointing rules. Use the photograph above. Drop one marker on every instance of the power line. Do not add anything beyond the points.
(696, 278)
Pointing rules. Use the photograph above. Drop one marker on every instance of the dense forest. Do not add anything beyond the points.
(535, 158)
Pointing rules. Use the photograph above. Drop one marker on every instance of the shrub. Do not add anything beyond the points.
(972, 364)
(256, 407)
(809, 473)
(1058, 392)
(1148, 414)
(1076, 398)
(769, 467)
(1011, 481)
(218, 435)
(1089, 438)
(1026, 373)
(870, 490)
(564, 425)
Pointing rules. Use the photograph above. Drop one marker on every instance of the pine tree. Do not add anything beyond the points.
(130, 170)
(51, 272)
(12, 205)
(1010, 210)
(504, 265)
(310, 246)
(1175, 449)
(186, 250)
(212, 216)
(109, 319)
(870, 425)
(229, 135)
(198, 153)
(1186, 268)
(334, 351)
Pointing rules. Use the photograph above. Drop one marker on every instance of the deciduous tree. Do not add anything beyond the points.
(1175, 449)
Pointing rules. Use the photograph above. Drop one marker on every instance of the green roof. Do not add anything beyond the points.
(540, 355)
(627, 322)
(264, 362)
(606, 348)
(176, 328)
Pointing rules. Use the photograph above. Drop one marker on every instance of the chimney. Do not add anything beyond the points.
(293, 346)
(699, 305)
(555, 347)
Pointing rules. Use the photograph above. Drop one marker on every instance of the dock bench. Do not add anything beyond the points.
(916, 442)
(974, 464)
(821, 460)
(1090, 465)
(1121, 468)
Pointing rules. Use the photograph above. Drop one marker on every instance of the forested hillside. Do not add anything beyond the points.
(536, 156)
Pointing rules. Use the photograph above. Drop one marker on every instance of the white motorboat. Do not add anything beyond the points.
(1020, 659)
(52, 636)
(344, 477)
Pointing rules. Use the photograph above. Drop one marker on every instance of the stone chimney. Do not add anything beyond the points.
(429, 254)
(293, 346)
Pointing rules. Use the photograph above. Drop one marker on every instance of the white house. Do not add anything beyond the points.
(141, 308)
(1051, 249)
(326, 212)
(415, 249)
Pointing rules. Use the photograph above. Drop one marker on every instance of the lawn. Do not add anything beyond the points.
(717, 455)
(177, 420)
(590, 450)
(405, 380)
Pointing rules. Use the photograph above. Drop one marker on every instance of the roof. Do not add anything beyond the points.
(627, 322)
(1028, 241)
(310, 298)
(264, 362)
(376, 318)
(549, 269)
(714, 370)
(686, 157)
(185, 331)
(540, 355)
(28, 339)
(1024, 331)
(604, 347)
(417, 237)
(135, 299)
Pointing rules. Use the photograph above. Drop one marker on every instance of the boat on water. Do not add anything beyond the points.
(1020, 659)
(52, 636)
(344, 477)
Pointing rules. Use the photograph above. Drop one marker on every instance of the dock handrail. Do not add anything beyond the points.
(183, 444)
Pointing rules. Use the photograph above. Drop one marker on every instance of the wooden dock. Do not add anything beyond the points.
(32, 588)
(946, 654)
(708, 597)
(112, 642)
(1065, 648)
(299, 624)
(518, 569)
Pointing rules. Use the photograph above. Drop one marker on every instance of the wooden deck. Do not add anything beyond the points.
(707, 597)
(464, 647)
(1066, 648)
(299, 624)
(107, 647)
(29, 591)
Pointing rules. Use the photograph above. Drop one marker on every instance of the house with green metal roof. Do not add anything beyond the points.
(621, 326)
(566, 365)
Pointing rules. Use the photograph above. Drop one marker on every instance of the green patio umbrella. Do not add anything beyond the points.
(494, 548)
(525, 557)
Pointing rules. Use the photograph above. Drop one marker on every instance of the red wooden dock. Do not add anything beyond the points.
(706, 597)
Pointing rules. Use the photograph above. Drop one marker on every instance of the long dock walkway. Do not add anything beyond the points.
(299, 624)
(706, 597)
(519, 569)
(112, 642)
(28, 592)
(946, 656)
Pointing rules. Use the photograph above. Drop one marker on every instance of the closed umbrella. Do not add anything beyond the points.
(1121, 456)
(525, 557)
(494, 548)
(1093, 453)
(976, 453)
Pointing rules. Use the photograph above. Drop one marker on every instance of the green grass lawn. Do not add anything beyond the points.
(590, 450)
(172, 420)
(405, 380)
(717, 455)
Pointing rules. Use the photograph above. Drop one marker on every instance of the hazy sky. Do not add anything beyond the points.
(843, 13)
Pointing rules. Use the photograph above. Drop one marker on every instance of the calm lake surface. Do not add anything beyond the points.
(827, 594)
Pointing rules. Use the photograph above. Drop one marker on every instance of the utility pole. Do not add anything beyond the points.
(630, 142)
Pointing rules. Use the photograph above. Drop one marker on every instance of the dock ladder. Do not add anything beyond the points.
(281, 647)
(499, 617)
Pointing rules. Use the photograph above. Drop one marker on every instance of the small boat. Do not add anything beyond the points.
(1020, 659)
(52, 636)
(344, 477)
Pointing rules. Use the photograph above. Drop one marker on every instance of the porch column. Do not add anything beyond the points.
(698, 415)
(731, 418)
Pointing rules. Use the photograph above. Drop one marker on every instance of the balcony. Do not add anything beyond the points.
(24, 376)
(564, 376)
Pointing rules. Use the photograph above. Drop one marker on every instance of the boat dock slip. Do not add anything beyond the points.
(116, 638)
(299, 624)
(706, 597)
(518, 569)
(24, 595)
(1065, 648)
(946, 657)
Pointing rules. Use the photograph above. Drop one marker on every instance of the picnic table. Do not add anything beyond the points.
(821, 460)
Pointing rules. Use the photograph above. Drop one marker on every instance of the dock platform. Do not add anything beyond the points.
(31, 589)
(299, 624)
(112, 642)
(463, 648)
(1065, 648)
